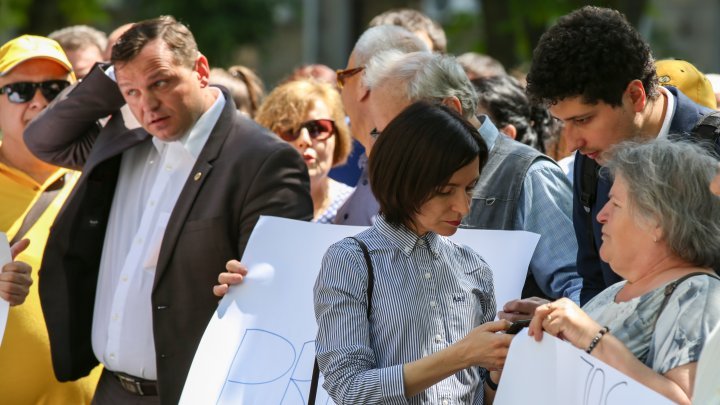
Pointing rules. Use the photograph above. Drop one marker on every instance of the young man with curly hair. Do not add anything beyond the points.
(597, 75)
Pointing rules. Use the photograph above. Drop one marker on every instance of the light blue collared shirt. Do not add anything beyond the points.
(545, 207)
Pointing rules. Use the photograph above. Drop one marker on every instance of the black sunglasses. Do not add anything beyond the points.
(22, 92)
(317, 129)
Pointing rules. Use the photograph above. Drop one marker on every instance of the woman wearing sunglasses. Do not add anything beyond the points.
(308, 115)
(408, 320)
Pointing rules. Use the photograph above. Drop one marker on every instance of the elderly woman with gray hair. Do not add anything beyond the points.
(661, 232)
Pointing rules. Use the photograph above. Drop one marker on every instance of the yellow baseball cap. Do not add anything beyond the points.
(26, 47)
(683, 75)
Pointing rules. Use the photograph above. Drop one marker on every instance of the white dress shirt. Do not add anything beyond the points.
(152, 175)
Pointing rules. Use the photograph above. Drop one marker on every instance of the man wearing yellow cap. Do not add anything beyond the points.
(33, 71)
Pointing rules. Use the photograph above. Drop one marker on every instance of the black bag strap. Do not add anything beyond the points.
(371, 284)
(670, 288)
(38, 208)
(588, 194)
(708, 127)
(707, 130)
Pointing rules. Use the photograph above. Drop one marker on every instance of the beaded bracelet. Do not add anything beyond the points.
(597, 338)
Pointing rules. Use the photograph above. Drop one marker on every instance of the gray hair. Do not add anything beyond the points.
(423, 76)
(668, 182)
(79, 37)
(384, 38)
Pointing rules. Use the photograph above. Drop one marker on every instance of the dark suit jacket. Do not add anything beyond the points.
(597, 275)
(242, 172)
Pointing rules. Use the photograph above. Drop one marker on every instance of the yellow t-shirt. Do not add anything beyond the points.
(17, 190)
(26, 373)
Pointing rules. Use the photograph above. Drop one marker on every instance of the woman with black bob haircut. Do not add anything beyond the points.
(404, 314)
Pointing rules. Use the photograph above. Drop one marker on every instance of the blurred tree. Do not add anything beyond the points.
(513, 27)
(219, 26)
(40, 17)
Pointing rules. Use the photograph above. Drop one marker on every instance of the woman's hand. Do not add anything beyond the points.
(564, 319)
(235, 274)
(484, 347)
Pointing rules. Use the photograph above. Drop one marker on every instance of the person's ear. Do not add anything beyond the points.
(635, 91)
(363, 91)
(202, 70)
(510, 131)
(454, 103)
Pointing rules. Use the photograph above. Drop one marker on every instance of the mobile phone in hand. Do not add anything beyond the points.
(517, 326)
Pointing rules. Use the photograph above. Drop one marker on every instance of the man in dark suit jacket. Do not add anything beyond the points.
(109, 235)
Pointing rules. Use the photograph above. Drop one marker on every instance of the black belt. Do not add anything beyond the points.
(136, 385)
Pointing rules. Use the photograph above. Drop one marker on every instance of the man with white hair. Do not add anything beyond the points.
(361, 206)
(519, 188)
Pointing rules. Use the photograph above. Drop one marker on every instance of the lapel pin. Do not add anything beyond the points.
(197, 176)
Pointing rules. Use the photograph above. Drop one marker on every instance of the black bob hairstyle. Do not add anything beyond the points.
(417, 154)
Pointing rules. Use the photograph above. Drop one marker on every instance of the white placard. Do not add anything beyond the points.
(259, 345)
(553, 372)
(5, 257)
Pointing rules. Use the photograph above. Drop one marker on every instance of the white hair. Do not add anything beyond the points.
(384, 38)
(423, 76)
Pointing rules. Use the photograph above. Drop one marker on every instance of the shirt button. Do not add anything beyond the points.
(152, 203)
(124, 279)
(427, 275)
(445, 402)
(115, 317)
(139, 241)
(112, 356)
(433, 304)
(438, 338)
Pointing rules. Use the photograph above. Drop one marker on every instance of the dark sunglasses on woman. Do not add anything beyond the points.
(22, 92)
(317, 129)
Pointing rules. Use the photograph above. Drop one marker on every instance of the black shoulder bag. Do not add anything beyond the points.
(371, 283)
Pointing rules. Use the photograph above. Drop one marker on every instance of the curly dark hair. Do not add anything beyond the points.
(592, 52)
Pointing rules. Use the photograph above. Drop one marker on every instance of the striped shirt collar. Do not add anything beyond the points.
(406, 240)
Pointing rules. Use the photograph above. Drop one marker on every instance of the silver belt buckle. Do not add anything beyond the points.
(130, 384)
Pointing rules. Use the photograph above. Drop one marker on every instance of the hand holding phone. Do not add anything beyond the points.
(517, 326)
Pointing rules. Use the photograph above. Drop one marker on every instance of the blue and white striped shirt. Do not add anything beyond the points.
(428, 294)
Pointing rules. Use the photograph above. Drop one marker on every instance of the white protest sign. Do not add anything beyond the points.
(5, 257)
(259, 345)
(553, 372)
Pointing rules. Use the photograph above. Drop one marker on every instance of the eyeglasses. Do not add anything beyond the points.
(317, 129)
(22, 92)
(344, 74)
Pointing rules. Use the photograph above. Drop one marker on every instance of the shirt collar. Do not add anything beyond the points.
(194, 140)
(406, 240)
(669, 112)
(488, 131)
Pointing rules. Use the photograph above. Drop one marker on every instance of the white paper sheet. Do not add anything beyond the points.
(553, 372)
(259, 345)
(5, 257)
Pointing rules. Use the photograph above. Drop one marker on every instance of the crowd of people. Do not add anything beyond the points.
(132, 172)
